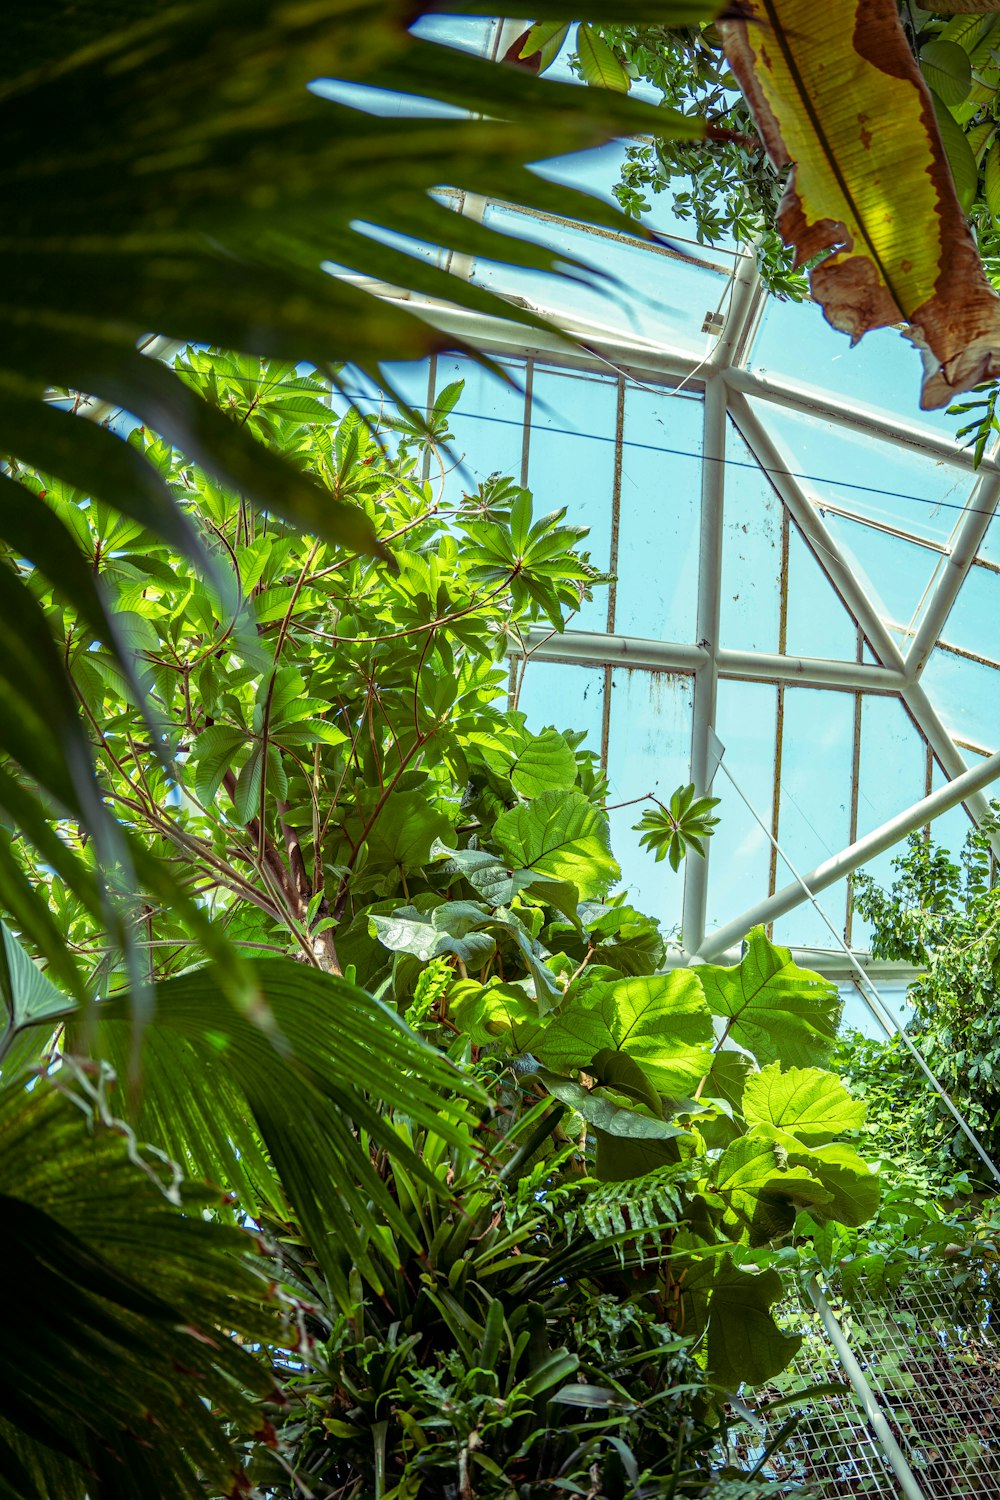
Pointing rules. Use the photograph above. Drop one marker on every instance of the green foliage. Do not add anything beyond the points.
(185, 214)
(330, 763)
(679, 827)
(943, 915)
(118, 1372)
(508, 1353)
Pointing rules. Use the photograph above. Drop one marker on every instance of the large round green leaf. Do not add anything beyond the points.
(563, 834)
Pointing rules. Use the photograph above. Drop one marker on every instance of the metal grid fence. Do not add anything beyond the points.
(930, 1352)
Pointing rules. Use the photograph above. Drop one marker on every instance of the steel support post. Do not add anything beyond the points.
(707, 676)
(730, 346)
(839, 571)
(873, 1412)
(975, 524)
(853, 857)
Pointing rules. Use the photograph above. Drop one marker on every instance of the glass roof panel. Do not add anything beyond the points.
(966, 695)
(972, 623)
(898, 573)
(659, 522)
(818, 622)
(571, 462)
(814, 821)
(649, 751)
(750, 616)
(872, 478)
(740, 863)
(893, 770)
(653, 293)
(488, 424)
(883, 370)
(564, 696)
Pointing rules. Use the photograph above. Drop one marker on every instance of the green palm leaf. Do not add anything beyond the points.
(117, 1365)
(270, 1101)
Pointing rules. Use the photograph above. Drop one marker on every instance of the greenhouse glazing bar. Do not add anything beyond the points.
(971, 534)
(706, 679)
(597, 351)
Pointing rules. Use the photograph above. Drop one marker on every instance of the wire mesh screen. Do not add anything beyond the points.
(930, 1351)
(830, 1450)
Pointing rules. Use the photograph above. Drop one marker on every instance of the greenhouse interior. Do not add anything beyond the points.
(500, 751)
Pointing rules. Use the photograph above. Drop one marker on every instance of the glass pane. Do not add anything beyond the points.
(654, 294)
(571, 462)
(966, 695)
(739, 852)
(649, 750)
(598, 169)
(815, 803)
(883, 370)
(883, 481)
(892, 776)
(972, 622)
(564, 696)
(751, 553)
(897, 574)
(660, 507)
(818, 621)
(488, 424)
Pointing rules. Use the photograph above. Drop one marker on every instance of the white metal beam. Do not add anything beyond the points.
(836, 567)
(975, 524)
(855, 855)
(866, 420)
(682, 656)
(829, 962)
(706, 678)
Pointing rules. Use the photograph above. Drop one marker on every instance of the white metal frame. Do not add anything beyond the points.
(727, 385)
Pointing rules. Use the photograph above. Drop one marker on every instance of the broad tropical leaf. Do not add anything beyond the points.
(836, 91)
(744, 1342)
(118, 1369)
(562, 834)
(763, 1191)
(770, 1006)
(806, 1102)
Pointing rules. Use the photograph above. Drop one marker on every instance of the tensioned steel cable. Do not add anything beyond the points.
(869, 992)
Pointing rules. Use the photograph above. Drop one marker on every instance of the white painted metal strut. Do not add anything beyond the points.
(873, 1412)
(742, 303)
(972, 532)
(706, 678)
(826, 550)
(682, 656)
(853, 857)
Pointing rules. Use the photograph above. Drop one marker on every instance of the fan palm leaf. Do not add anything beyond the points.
(270, 1103)
(118, 1369)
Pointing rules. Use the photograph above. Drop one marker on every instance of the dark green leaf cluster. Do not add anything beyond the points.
(117, 1355)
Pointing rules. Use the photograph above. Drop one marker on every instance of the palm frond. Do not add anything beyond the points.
(118, 1369)
(271, 1102)
(173, 170)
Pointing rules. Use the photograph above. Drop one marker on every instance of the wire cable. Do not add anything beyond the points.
(869, 992)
